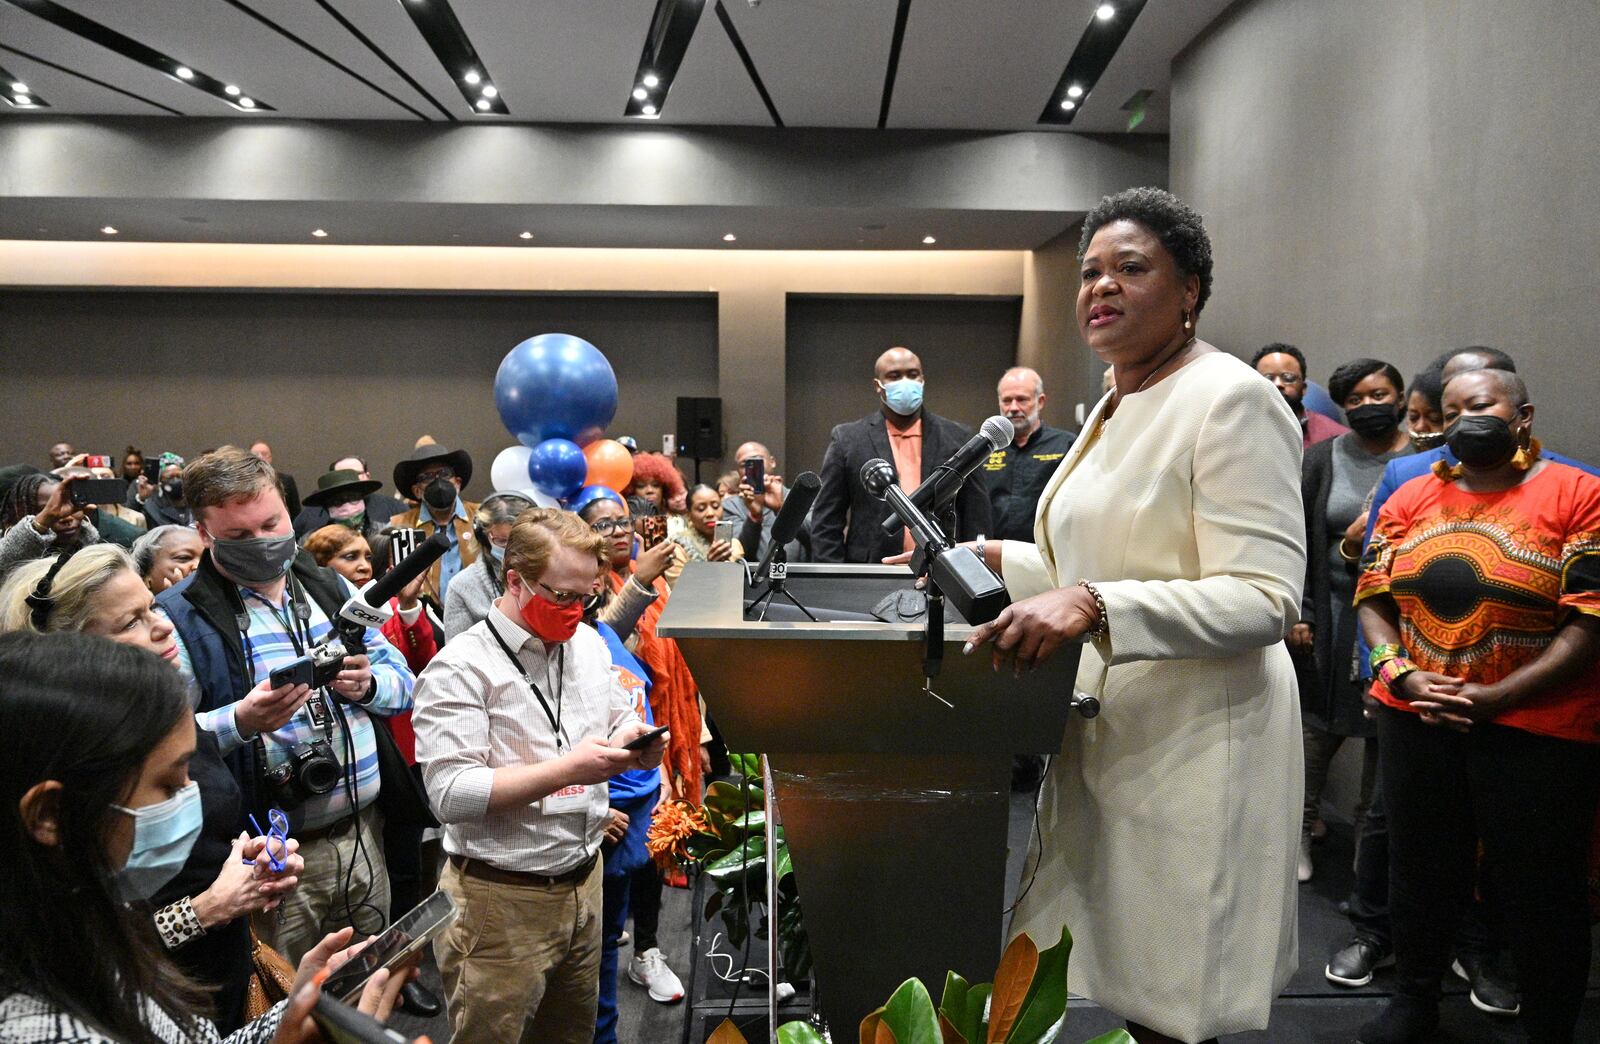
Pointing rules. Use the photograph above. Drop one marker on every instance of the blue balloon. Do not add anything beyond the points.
(555, 386)
(557, 468)
(590, 494)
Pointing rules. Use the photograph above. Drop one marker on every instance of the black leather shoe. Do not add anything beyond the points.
(418, 1000)
(1490, 990)
(1354, 965)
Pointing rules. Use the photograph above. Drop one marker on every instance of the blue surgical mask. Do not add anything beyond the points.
(497, 553)
(163, 836)
(903, 396)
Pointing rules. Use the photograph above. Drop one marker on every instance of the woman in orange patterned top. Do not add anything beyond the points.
(1480, 597)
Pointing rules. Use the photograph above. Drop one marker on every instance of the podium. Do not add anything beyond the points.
(895, 806)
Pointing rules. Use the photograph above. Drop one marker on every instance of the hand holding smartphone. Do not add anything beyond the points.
(644, 739)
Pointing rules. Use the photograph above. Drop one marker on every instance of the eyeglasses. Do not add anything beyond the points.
(277, 839)
(436, 473)
(562, 597)
(1284, 378)
(608, 526)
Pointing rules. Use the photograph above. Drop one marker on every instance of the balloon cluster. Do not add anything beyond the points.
(556, 393)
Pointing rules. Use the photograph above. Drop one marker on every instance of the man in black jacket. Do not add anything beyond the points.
(847, 521)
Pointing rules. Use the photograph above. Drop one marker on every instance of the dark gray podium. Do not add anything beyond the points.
(895, 806)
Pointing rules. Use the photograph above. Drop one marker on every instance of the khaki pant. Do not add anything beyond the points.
(519, 953)
(320, 905)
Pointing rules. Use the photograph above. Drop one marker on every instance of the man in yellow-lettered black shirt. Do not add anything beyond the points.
(1016, 475)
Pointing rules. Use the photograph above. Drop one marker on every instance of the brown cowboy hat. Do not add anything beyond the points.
(406, 472)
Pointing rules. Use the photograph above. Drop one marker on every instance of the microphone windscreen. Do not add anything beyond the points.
(998, 431)
(407, 570)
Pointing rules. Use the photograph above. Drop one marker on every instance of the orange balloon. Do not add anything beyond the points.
(610, 464)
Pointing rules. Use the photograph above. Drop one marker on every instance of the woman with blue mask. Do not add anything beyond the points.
(97, 810)
(476, 587)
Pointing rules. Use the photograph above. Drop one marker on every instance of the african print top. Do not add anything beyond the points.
(1484, 581)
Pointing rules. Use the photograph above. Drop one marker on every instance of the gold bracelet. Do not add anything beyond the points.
(1347, 556)
(1101, 627)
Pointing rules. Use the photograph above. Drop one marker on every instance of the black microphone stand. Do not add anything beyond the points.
(777, 584)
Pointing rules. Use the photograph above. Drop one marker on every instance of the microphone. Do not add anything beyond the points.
(370, 608)
(790, 518)
(939, 488)
(977, 594)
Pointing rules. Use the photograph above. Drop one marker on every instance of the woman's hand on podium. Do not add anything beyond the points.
(1029, 631)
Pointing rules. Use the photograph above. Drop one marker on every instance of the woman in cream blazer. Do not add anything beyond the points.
(1169, 822)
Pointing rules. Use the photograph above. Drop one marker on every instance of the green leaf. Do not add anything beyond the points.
(726, 799)
(798, 1033)
(953, 1004)
(755, 822)
(748, 863)
(1041, 1016)
(975, 1026)
(785, 864)
(911, 1016)
(1116, 1036)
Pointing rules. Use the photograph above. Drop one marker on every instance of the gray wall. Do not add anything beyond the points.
(320, 375)
(965, 345)
(1397, 179)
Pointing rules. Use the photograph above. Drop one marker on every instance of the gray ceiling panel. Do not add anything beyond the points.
(712, 88)
(823, 61)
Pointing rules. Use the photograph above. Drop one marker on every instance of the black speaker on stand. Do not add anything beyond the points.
(700, 429)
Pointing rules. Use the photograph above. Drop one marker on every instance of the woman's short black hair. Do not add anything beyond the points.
(1177, 226)
(1352, 373)
(1430, 386)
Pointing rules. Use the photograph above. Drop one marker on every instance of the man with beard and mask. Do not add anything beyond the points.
(1016, 475)
(255, 604)
(1285, 366)
(847, 521)
(1336, 476)
(520, 723)
(433, 476)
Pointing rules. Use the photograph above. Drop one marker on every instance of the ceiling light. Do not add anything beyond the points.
(183, 72)
(20, 88)
(1069, 105)
(247, 103)
(1105, 12)
(319, 233)
(647, 109)
(108, 230)
(473, 78)
(22, 99)
(651, 80)
(1074, 91)
(928, 240)
(640, 94)
(231, 91)
(525, 235)
(483, 104)
(490, 90)
(729, 238)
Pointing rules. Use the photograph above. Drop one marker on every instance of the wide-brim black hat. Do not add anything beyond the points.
(406, 472)
(336, 487)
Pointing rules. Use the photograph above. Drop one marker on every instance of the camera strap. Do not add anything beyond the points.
(561, 665)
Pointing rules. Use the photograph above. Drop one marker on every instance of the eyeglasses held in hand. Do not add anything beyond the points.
(277, 839)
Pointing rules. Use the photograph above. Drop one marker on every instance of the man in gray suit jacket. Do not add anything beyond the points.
(847, 521)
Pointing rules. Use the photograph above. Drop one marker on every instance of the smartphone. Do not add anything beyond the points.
(85, 492)
(96, 460)
(152, 472)
(669, 445)
(652, 529)
(300, 672)
(342, 1024)
(403, 543)
(641, 742)
(398, 942)
(755, 473)
(723, 530)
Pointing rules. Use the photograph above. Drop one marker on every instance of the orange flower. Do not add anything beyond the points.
(674, 823)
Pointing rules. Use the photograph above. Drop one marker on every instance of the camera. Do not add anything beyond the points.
(312, 769)
(327, 660)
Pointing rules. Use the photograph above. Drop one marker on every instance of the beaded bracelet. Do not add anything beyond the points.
(1102, 627)
(1392, 672)
(1383, 653)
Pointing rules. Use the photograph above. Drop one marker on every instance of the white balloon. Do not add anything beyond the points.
(540, 499)
(509, 472)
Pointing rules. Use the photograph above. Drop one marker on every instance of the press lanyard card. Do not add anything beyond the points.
(574, 798)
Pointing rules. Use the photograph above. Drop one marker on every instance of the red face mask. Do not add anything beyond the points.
(549, 621)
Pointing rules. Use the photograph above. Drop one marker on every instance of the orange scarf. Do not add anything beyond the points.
(674, 697)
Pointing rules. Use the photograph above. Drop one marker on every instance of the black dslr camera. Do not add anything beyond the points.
(312, 768)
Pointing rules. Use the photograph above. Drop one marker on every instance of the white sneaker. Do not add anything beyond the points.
(1303, 867)
(649, 969)
(624, 939)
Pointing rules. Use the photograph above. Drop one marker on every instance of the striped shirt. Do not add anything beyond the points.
(268, 645)
(475, 714)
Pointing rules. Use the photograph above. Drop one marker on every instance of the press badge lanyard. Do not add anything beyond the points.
(561, 664)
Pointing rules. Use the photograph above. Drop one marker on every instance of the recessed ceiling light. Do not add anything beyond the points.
(1105, 12)
(1068, 104)
(1074, 91)
(473, 78)
(22, 99)
(490, 90)
(183, 72)
(20, 88)
(108, 230)
(647, 109)
(247, 103)
(730, 238)
(929, 240)
(319, 233)
(525, 235)
(483, 104)
(231, 91)
(640, 94)
(651, 80)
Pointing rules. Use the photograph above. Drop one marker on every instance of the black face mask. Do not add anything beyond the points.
(172, 489)
(1481, 440)
(1374, 419)
(440, 494)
